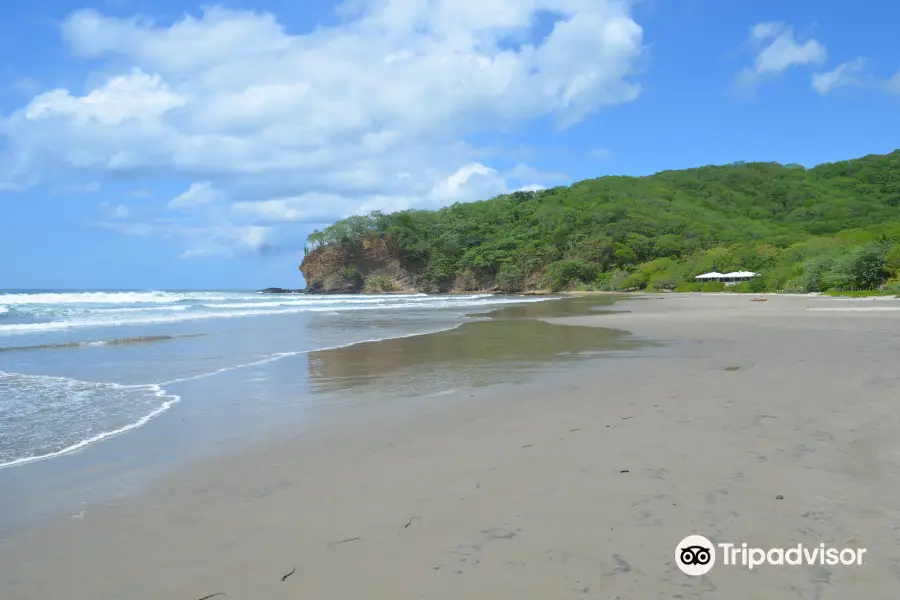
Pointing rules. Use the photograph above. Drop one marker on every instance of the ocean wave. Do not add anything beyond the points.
(55, 394)
(4, 309)
(113, 297)
(419, 300)
(142, 339)
(150, 309)
(49, 311)
(442, 302)
(67, 407)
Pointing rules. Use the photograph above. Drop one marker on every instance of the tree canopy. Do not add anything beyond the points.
(834, 226)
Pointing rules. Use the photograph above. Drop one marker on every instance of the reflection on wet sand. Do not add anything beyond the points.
(502, 346)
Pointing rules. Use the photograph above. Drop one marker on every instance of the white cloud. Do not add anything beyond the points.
(215, 237)
(777, 49)
(469, 182)
(845, 74)
(893, 84)
(86, 188)
(601, 153)
(197, 194)
(115, 211)
(523, 171)
(312, 207)
(136, 96)
(372, 113)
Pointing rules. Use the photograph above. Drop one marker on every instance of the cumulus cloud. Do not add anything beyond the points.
(198, 194)
(524, 172)
(777, 49)
(116, 211)
(893, 84)
(86, 188)
(845, 74)
(374, 113)
(137, 96)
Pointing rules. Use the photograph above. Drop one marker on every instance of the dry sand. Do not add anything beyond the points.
(761, 422)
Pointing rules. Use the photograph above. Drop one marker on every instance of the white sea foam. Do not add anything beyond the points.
(413, 301)
(140, 309)
(113, 297)
(55, 415)
(57, 393)
(153, 319)
(4, 309)
(64, 391)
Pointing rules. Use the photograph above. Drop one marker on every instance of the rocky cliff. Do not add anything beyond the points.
(375, 265)
(370, 265)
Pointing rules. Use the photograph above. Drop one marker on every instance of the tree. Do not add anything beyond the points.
(862, 268)
(892, 261)
(801, 228)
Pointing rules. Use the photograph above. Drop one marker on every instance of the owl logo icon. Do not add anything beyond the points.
(695, 555)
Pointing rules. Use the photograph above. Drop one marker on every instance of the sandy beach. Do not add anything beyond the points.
(770, 420)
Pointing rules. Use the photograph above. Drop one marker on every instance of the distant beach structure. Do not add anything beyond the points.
(727, 278)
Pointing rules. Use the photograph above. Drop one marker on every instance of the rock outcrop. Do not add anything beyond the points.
(277, 290)
(375, 265)
(370, 265)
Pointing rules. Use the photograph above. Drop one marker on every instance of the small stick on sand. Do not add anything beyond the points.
(289, 574)
(354, 539)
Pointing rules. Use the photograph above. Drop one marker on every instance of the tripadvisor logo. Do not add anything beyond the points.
(695, 555)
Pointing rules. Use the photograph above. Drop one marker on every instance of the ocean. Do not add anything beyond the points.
(80, 367)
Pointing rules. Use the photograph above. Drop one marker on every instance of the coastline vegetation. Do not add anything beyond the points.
(833, 228)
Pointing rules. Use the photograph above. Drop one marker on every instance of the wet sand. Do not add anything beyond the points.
(764, 422)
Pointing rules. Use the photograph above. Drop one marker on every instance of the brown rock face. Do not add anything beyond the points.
(371, 265)
(375, 265)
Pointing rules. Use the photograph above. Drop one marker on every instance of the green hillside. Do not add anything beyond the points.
(834, 226)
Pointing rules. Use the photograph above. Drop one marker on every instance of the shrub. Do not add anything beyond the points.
(509, 278)
(861, 268)
(564, 273)
(636, 280)
(663, 281)
(712, 286)
(380, 282)
(740, 288)
(688, 286)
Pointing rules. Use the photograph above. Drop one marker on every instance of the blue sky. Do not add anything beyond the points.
(180, 145)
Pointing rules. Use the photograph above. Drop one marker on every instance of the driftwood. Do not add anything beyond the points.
(354, 539)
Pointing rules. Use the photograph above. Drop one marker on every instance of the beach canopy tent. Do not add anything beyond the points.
(713, 276)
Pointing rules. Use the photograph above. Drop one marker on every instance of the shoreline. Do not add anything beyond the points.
(159, 388)
(137, 440)
(763, 422)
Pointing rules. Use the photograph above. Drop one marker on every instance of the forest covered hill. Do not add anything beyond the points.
(834, 226)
